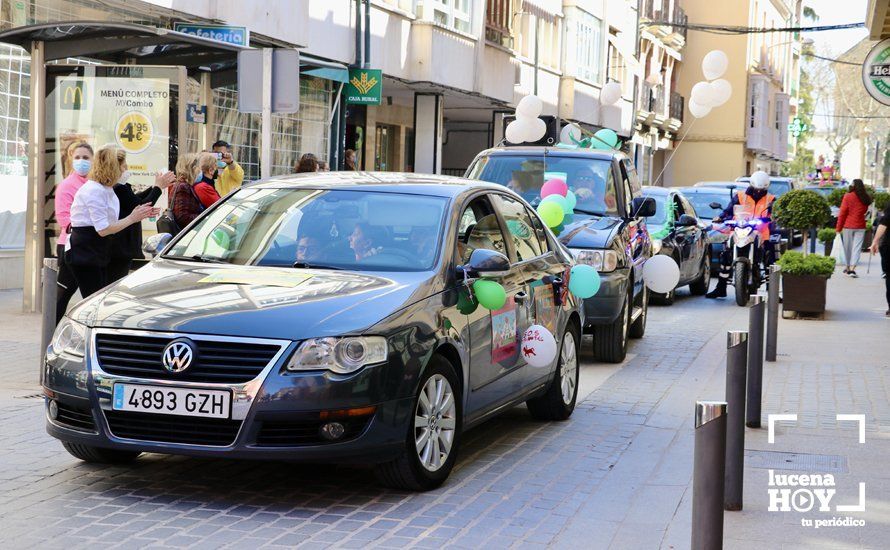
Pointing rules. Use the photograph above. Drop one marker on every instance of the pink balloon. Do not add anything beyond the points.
(555, 186)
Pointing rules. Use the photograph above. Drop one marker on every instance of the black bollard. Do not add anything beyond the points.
(772, 316)
(756, 311)
(708, 472)
(736, 367)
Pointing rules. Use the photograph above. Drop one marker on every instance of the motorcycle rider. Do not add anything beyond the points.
(759, 202)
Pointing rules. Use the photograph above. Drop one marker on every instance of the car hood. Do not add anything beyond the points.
(262, 302)
(593, 232)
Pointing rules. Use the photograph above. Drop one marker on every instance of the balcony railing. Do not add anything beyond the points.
(678, 102)
(499, 22)
(661, 10)
(647, 98)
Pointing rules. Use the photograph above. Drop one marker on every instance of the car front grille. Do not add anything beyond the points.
(74, 417)
(305, 432)
(172, 429)
(217, 362)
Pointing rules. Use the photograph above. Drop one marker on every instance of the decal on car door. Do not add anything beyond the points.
(545, 307)
(503, 332)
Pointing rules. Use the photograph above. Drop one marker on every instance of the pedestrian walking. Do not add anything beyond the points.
(94, 218)
(851, 225)
(349, 160)
(81, 156)
(230, 175)
(881, 243)
(126, 245)
(184, 202)
(307, 163)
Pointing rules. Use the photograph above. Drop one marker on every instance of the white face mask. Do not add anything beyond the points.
(125, 177)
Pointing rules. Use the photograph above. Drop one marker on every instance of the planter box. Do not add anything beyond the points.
(829, 245)
(804, 293)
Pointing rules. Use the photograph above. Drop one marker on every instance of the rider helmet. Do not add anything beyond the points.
(760, 180)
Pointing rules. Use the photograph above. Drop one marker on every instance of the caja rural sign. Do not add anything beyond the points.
(876, 72)
(365, 87)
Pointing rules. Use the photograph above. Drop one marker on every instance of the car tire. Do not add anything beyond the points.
(610, 341)
(638, 327)
(740, 281)
(423, 469)
(559, 401)
(699, 287)
(88, 453)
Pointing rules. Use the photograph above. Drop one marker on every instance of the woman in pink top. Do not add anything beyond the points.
(81, 161)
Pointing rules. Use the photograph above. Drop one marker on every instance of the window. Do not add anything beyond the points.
(454, 14)
(520, 228)
(499, 22)
(635, 186)
(479, 228)
(588, 46)
(687, 207)
(543, 29)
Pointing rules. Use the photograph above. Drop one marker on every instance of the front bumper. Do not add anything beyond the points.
(605, 306)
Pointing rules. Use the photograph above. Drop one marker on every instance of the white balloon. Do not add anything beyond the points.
(529, 106)
(721, 91)
(568, 130)
(611, 93)
(514, 130)
(702, 94)
(661, 274)
(538, 346)
(714, 64)
(698, 110)
(536, 130)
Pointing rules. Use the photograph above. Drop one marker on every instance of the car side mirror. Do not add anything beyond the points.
(485, 262)
(716, 205)
(156, 243)
(642, 207)
(686, 220)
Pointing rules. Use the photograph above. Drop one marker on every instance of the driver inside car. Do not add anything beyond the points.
(591, 188)
(757, 201)
(366, 241)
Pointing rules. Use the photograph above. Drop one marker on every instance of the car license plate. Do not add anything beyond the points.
(177, 401)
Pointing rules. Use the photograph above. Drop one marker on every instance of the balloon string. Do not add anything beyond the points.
(674, 152)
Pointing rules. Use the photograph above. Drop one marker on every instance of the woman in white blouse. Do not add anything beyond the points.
(94, 218)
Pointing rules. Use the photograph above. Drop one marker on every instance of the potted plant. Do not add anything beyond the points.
(826, 236)
(805, 281)
(802, 210)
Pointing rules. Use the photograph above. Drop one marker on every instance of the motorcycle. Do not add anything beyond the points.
(748, 256)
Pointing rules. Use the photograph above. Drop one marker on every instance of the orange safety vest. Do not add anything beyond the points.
(760, 210)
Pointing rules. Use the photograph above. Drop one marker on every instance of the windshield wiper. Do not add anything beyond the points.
(588, 212)
(197, 258)
(307, 265)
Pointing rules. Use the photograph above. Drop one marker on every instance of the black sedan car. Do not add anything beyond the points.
(321, 318)
(676, 232)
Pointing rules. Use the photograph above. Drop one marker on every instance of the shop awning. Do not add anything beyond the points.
(322, 68)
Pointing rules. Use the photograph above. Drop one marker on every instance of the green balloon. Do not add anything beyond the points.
(606, 139)
(558, 199)
(465, 304)
(551, 212)
(558, 229)
(489, 294)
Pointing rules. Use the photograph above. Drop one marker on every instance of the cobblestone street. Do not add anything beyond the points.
(617, 474)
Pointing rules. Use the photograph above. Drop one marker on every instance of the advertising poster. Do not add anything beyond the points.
(503, 332)
(132, 113)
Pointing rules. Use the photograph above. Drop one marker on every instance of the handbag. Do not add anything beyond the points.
(166, 222)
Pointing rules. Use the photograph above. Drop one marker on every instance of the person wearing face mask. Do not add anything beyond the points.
(230, 175)
(95, 218)
(204, 186)
(81, 155)
(126, 245)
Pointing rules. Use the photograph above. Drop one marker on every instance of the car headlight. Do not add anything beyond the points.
(69, 339)
(656, 246)
(599, 259)
(340, 355)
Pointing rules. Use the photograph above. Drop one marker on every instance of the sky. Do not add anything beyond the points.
(837, 12)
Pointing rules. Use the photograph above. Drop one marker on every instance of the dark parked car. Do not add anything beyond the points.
(321, 317)
(677, 232)
(702, 199)
(606, 231)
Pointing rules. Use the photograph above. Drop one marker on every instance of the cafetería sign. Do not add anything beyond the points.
(876, 72)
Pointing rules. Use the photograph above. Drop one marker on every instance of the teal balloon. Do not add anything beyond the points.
(559, 228)
(465, 304)
(571, 201)
(558, 199)
(568, 219)
(606, 139)
(584, 281)
(490, 294)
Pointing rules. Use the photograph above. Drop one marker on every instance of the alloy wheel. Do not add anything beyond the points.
(568, 368)
(435, 420)
(626, 324)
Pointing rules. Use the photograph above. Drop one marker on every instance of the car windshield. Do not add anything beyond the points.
(591, 180)
(702, 203)
(354, 229)
(777, 188)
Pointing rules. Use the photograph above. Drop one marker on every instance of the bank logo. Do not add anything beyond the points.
(72, 94)
(876, 72)
(365, 83)
(815, 492)
(178, 355)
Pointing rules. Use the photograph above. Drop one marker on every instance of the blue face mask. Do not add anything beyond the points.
(199, 177)
(220, 164)
(82, 166)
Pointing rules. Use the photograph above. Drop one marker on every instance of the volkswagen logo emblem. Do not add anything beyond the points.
(178, 355)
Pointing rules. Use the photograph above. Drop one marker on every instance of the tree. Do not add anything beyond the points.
(803, 160)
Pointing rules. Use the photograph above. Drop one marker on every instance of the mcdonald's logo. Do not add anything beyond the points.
(72, 95)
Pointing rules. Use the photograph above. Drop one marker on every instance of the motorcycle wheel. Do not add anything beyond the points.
(740, 281)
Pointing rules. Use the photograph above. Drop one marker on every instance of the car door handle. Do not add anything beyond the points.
(520, 297)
